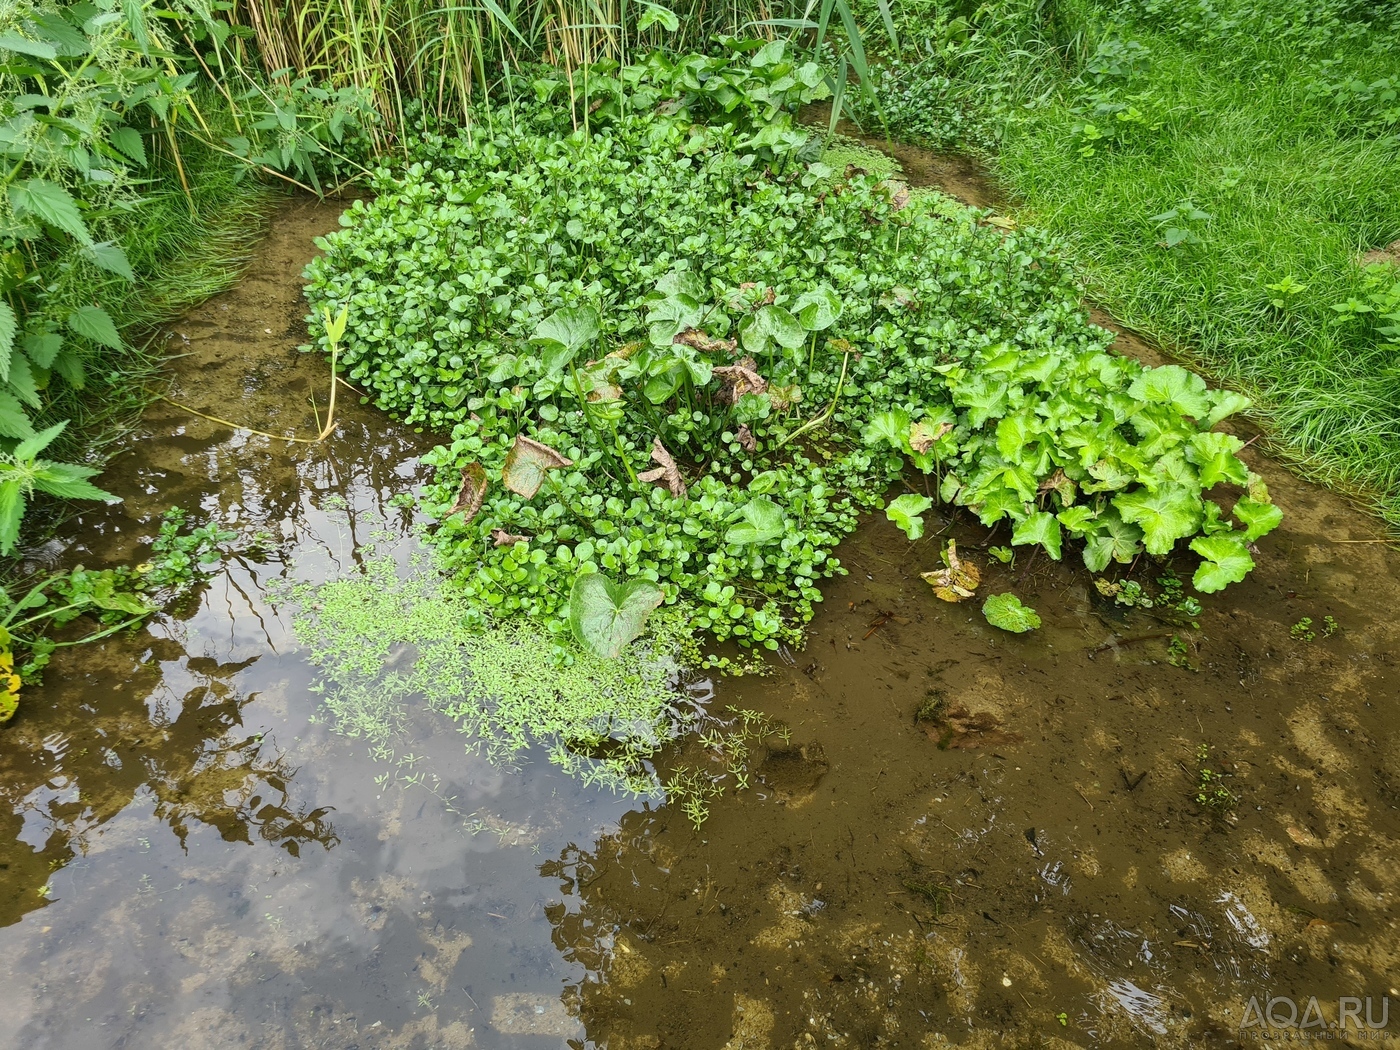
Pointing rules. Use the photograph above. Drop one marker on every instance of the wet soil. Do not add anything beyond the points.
(967, 838)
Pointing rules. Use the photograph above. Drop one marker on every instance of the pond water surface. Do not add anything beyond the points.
(191, 857)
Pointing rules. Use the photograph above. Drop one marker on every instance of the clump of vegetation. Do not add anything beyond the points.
(1302, 631)
(1211, 793)
(631, 394)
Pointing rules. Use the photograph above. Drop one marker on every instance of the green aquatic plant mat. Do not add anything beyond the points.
(721, 354)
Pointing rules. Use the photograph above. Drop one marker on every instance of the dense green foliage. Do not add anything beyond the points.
(776, 340)
(1220, 168)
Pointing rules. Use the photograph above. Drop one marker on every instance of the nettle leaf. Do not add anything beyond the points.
(43, 347)
(607, 616)
(9, 325)
(1042, 528)
(1259, 519)
(1214, 455)
(526, 464)
(907, 512)
(30, 447)
(14, 421)
(762, 521)
(1007, 612)
(818, 309)
(128, 142)
(1227, 561)
(50, 203)
(1175, 386)
(563, 334)
(69, 481)
(1171, 513)
(11, 512)
(95, 323)
(109, 256)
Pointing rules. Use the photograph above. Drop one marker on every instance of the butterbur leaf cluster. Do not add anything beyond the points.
(792, 337)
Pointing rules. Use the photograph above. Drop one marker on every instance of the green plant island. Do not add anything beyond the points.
(678, 357)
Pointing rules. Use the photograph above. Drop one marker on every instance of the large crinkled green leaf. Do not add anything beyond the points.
(1226, 561)
(1175, 386)
(1171, 513)
(1214, 456)
(606, 616)
(1224, 403)
(890, 427)
(1111, 539)
(1259, 519)
(1042, 528)
(563, 334)
(1007, 612)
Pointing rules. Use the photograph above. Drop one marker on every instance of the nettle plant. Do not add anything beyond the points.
(685, 360)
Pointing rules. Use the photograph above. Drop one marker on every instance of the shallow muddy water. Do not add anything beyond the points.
(190, 857)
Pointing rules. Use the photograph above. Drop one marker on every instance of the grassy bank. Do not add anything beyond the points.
(1222, 171)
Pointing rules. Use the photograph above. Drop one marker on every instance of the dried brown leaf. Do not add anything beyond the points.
(923, 437)
(746, 438)
(956, 580)
(666, 472)
(740, 379)
(526, 463)
(502, 538)
(704, 342)
(472, 492)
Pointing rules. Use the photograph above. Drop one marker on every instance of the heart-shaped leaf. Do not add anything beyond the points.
(1226, 561)
(818, 309)
(606, 616)
(1007, 612)
(563, 334)
(761, 521)
(526, 464)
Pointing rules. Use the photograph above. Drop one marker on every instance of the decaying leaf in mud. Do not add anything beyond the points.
(472, 492)
(923, 437)
(705, 343)
(502, 538)
(740, 379)
(746, 438)
(666, 472)
(606, 616)
(526, 463)
(957, 579)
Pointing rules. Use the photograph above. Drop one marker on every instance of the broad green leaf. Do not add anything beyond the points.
(95, 323)
(1226, 561)
(31, 447)
(1225, 403)
(563, 334)
(761, 521)
(42, 347)
(890, 427)
(1042, 528)
(22, 382)
(655, 14)
(14, 422)
(8, 326)
(907, 512)
(818, 309)
(1175, 386)
(1259, 519)
(1007, 612)
(52, 204)
(11, 511)
(769, 326)
(1214, 455)
(983, 397)
(606, 616)
(1171, 513)
(527, 463)
(106, 596)
(1112, 539)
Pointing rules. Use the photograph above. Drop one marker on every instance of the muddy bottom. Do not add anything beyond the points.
(967, 837)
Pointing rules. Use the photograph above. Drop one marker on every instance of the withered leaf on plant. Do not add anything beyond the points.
(923, 437)
(502, 538)
(956, 580)
(526, 464)
(705, 343)
(740, 379)
(667, 473)
(746, 438)
(472, 492)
